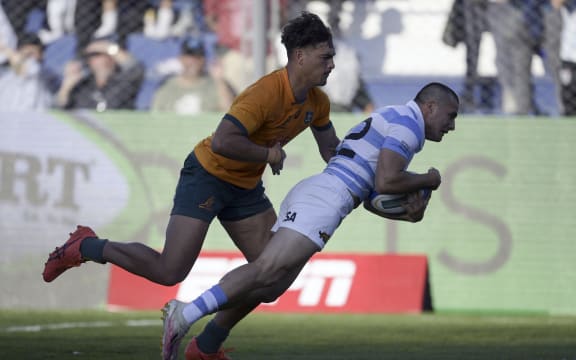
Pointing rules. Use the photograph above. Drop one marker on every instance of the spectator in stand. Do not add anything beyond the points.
(18, 12)
(174, 18)
(333, 15)
(7, 34)
(93, 19)
(568, 57)
(24, 84)
(345, 87)
(231, 21)
(465, 24)
(193, 90)
(181, 19)
(111, 79)
(521, 29)
(59, 20)
(549, 49)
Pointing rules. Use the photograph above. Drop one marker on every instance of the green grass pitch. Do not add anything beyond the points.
(136, 335)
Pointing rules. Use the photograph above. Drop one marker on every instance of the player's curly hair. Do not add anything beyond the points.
(304, 30)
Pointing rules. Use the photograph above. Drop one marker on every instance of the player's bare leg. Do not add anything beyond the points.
(184, 239)
(250, 236)
(216, 331)
(285, 253)
(288, 250)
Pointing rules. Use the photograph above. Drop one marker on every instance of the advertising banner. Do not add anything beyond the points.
(353, 283)
(498, 234)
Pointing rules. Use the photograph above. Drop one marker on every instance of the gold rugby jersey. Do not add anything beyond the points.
(268, 112)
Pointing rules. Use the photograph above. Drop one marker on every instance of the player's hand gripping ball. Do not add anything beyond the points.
(392, 203)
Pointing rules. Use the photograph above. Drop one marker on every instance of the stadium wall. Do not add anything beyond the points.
(499, 233)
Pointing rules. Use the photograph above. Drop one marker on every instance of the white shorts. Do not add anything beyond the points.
(315, 207)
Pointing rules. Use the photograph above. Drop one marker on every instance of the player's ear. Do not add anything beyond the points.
(431, 107)
(299, 56)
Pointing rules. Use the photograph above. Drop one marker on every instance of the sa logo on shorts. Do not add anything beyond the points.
(290, 216)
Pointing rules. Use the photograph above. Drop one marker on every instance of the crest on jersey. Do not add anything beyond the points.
(308, 117)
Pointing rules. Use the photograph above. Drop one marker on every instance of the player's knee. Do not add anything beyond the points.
(171, 278)
(271, 295)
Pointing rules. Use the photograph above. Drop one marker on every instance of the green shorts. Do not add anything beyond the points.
(203, 196)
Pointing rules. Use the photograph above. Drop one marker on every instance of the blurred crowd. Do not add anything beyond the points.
(183, 56)
(521, 29)
(191, 56)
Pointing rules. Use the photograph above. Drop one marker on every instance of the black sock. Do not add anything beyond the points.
(92, 248)
(211, 339)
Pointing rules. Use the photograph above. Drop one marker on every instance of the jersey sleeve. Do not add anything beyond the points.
(249, 110)
(402, 140)
(257, 104)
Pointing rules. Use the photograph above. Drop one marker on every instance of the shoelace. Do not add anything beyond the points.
(58, 252)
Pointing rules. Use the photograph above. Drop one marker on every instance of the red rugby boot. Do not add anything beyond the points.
(194, 353)
(68, 255)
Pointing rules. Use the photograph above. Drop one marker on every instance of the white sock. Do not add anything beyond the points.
(205, 304)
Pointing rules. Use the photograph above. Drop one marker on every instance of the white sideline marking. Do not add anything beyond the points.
(75, 325)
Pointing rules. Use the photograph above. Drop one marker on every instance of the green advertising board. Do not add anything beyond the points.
(499, 233)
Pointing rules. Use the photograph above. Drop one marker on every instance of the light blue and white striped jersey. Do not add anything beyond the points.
(398, 128)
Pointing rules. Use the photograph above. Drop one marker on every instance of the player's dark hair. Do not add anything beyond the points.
(436, 91)
(305, 30)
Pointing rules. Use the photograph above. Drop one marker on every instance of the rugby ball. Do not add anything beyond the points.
(391, 203)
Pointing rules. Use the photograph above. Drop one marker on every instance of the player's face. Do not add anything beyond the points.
(318, 62)
(441, 119)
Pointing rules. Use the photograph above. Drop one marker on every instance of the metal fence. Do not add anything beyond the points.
(513, 57)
